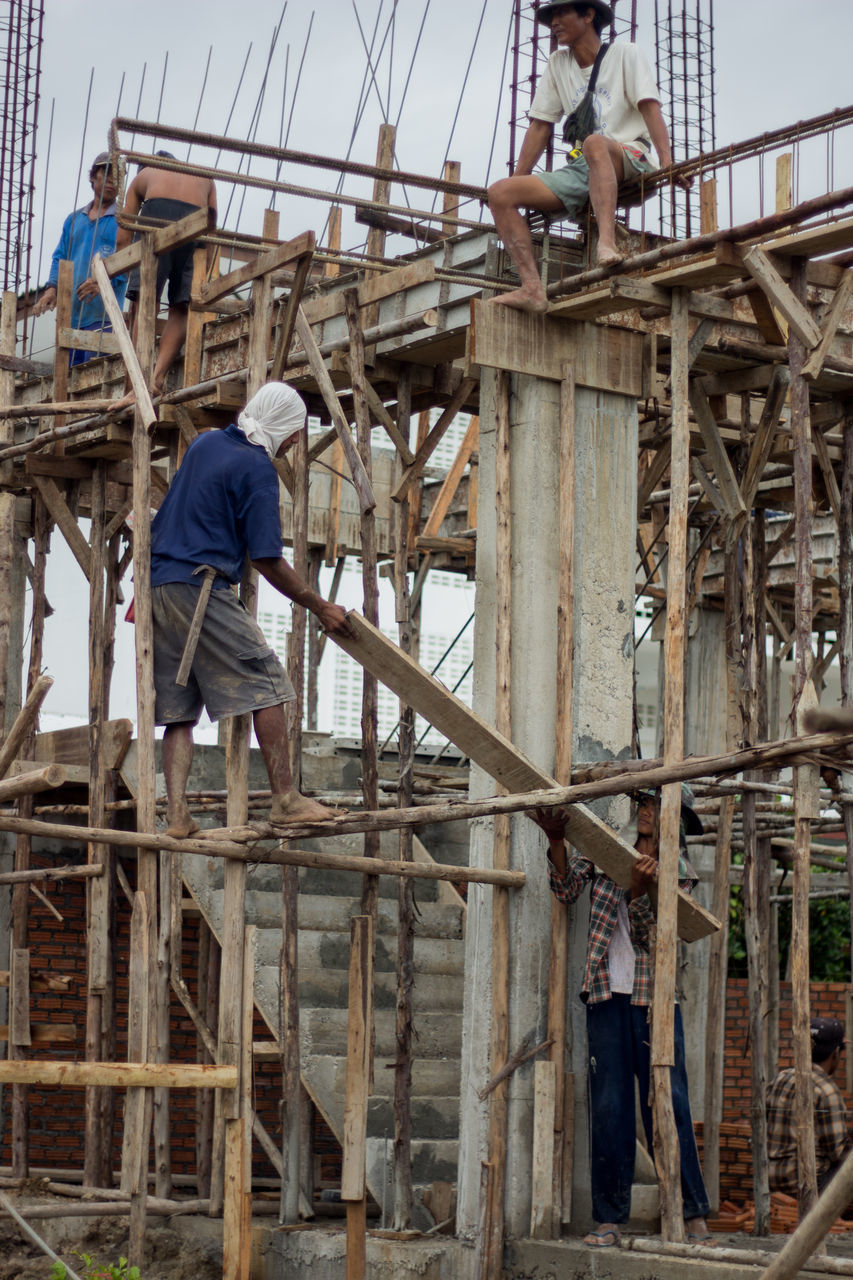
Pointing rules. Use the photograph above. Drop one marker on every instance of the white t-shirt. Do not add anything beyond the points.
(624, 80)
(620, 953)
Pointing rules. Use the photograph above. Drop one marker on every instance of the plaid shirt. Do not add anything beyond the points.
(604, 903)
(831, 1134)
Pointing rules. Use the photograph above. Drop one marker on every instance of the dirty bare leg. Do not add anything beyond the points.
(171, 341)
(604, 157)
(506, 198)
(288, 804)
(177, 762)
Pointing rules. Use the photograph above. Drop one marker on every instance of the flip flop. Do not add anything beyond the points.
(602, 1239)
(706, 1239)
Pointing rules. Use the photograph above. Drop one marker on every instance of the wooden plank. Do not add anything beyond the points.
(500, 759)
(264, 263)
(363, 488)
(813, 366)
(447, 492)
(104, 342)
(287, 315)
(170, 237)
(71, 746)
(426, 450)
(720, 267)
(542, 1203)
(708, 206)
(19, 998)
(723, 469)
(398, 280)
(45, 1033)
(827, 238)
(359, 1023)
(128, 353)
(765, 433)
(603, 358)
(830, 481)
(236, 1240)
(68, 526)
(64, 287)
(120, 1075)
(23, 722)
(42, 980)
(619, 294)
(762, 269)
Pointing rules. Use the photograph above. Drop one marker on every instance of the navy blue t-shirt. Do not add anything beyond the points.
(221, 506)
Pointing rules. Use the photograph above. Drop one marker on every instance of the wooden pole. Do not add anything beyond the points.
(803, 807)
(7, 511)
(815, 1224)
(499, 1047)
(359, 1065)
(667, 1153)
(404, 1026)
(376, 235)
(98, 922)
(558, 973)
(145, 799)
(715, 1026)
(845, 630)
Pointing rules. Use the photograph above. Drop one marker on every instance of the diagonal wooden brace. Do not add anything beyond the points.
(128, 353)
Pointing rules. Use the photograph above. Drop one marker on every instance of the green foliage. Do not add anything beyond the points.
(96, 1270)
(829, 938)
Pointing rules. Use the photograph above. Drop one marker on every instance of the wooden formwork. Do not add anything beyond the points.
(737, 346)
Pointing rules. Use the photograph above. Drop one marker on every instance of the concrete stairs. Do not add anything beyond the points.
(327, 900)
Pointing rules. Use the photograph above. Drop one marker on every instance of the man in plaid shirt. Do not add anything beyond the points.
(831, 1132)
(617, 993)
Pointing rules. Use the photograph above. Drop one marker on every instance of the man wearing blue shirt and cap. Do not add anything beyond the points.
(85, 232)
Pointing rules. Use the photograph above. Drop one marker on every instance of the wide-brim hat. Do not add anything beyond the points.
(545, 12)
(690, 819)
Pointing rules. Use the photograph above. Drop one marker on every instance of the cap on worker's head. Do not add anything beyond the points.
(691, 823)
(101, 161)
(166, 155)
(545, 12)
(827, 1034)
(273, 413)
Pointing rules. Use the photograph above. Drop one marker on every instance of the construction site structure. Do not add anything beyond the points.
(679, 426)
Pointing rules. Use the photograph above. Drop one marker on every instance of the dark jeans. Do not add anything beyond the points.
(618, 1040)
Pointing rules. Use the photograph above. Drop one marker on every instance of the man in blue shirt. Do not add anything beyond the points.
(85, 232)
(222, 506)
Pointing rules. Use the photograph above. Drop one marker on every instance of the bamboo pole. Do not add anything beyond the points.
(499, 1047)
(667, 1153)
(404, 1022)
(557, 973)
(803, 606)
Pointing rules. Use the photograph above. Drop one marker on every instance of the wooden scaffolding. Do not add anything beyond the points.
(737, 345)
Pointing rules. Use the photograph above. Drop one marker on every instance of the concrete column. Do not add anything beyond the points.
(706, 703)
(604, 535)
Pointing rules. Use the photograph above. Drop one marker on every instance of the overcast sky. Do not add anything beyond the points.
(775, 64)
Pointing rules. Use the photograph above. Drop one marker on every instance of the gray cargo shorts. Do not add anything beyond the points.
(234, 669)
(571, 184)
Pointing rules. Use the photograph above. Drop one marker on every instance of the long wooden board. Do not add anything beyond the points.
(604, 358)
(374, 289)
(71, 746)
(502, 761)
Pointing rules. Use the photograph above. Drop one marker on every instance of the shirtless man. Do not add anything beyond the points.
(161, 193)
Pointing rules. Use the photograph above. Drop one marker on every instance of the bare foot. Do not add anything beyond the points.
(608, 257)
(524, 299)
(292, 806)
(182, 827)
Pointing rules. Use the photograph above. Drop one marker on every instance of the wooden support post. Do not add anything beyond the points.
(499, 1046)
(715, 1027)
(452, 172)
(370, 586)
(808, 1236)
(667, 1154)
(333, 269)
(134, 1159)
(8, 313)
(803, 789)
(403, 1190)
(359, 1069)
(64, 302)
(376, 235)
(845, 634)
(136, 360)
(561, 1192)
(144, 636)
(543, 1179)
(208, 1002)
(98, 890)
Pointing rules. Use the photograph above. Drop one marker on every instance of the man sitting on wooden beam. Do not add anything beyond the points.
(222, 506)
(168, 196)
(614, 118)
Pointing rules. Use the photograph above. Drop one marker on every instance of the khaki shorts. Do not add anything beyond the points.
(234, 669)
(571, 184)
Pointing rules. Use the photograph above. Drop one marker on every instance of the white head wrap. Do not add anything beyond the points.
(272, 414)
